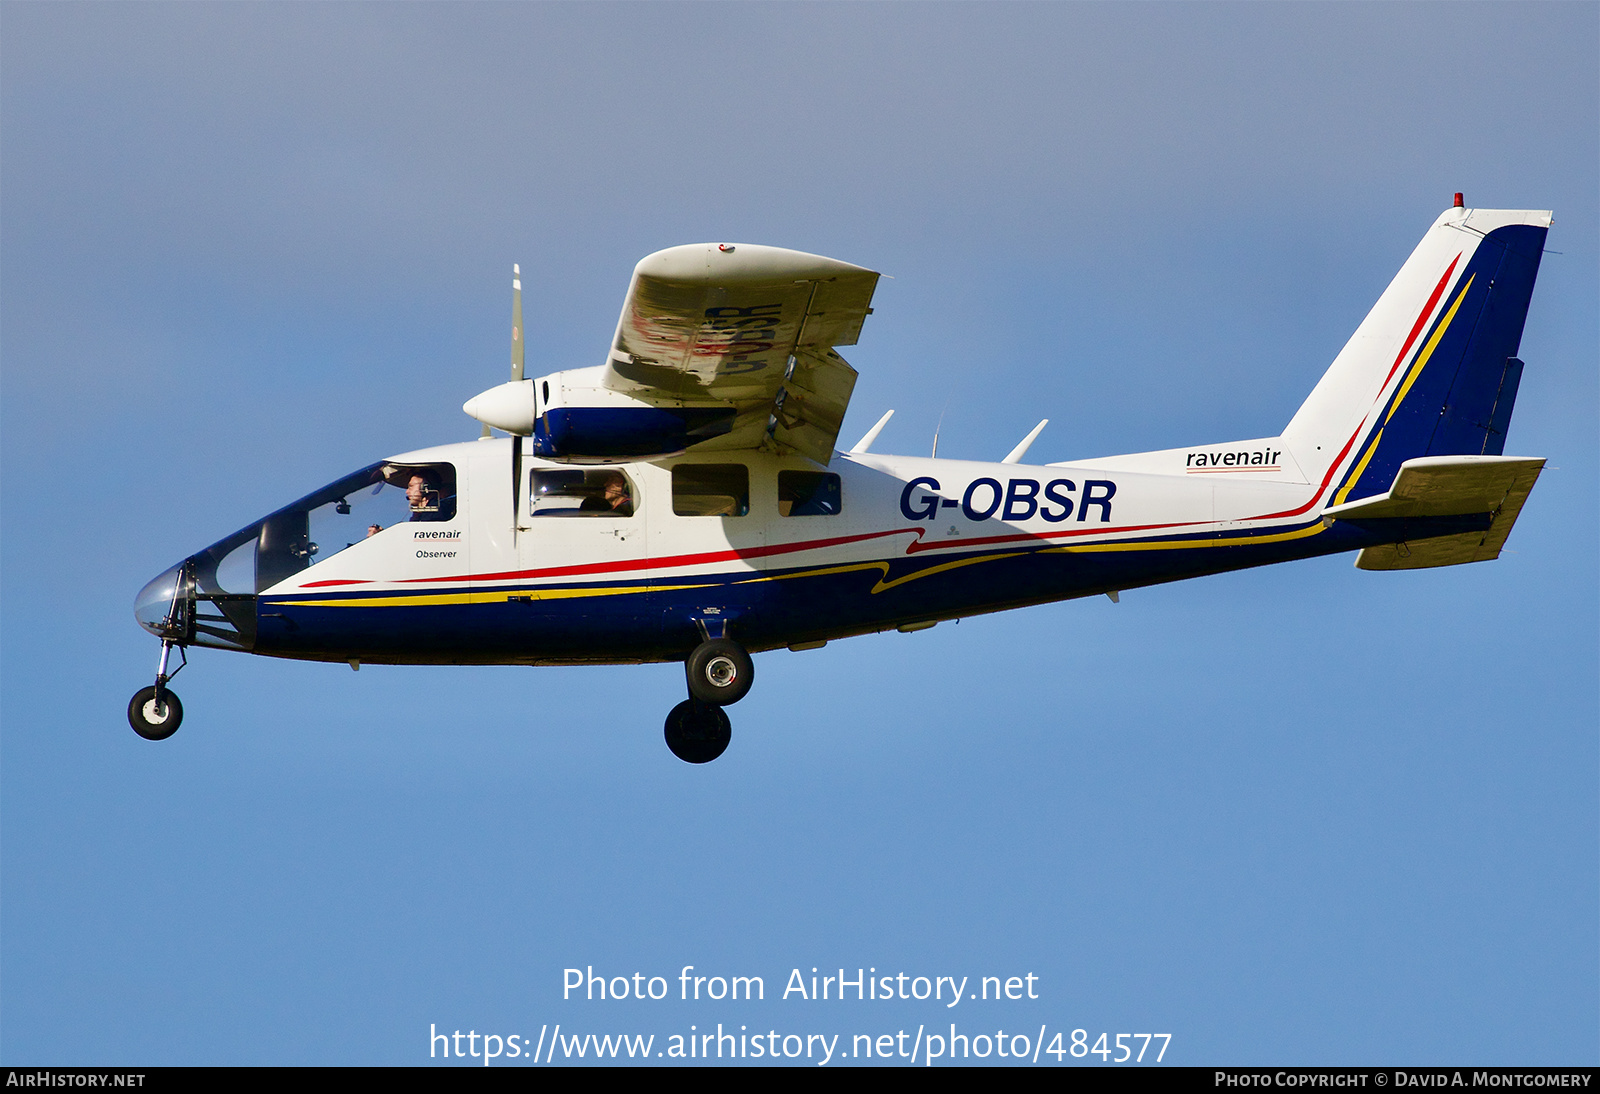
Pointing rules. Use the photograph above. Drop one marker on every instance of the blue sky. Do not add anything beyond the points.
(1299, 815)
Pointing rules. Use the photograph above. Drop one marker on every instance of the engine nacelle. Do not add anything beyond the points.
(602, 434)
(572, 417)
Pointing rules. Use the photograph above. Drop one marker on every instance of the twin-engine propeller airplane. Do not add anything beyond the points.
(684, 501)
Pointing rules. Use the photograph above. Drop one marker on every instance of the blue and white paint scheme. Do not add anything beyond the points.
(685, 501)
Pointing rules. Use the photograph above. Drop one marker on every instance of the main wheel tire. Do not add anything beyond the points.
(697, 733)
(720, 672)
(153, 720)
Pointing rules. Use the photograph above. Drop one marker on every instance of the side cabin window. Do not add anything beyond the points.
(711, 490)
(808, 494)
(589, 492)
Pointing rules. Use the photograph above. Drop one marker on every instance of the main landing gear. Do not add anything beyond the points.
(720, 673)
(698, 732)
(155, 713)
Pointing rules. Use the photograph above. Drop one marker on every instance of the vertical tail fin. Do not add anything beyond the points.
(1432, 370)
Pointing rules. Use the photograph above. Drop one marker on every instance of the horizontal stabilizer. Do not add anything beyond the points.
(1439, 494)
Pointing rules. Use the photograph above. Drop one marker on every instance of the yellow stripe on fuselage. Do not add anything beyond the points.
(1179, 544)
(884, 583)
(498, 596)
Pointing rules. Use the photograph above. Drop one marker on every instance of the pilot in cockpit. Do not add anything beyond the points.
(422, 493)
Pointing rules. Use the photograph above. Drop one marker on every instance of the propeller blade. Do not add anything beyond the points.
(516, 484)
(517, 342)
(518, 345)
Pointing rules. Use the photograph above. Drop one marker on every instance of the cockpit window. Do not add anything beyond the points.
(430, 488)
(325, 522)
(570, 492)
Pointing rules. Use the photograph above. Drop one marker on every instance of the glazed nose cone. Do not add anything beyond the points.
(153, 607)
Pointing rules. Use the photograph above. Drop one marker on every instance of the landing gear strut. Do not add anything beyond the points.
(719, 673)
(155, 713)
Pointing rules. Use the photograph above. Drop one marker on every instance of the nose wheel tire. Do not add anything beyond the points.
(720, 672)
(697, 732)
(155, 718)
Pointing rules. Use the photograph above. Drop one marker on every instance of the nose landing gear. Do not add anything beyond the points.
(155, 713)
(719, 673)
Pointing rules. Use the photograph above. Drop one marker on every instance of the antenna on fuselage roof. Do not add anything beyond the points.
(872, 434)
(1018, 452)
(935, 453)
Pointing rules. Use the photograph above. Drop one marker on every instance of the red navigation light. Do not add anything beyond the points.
(1460, 203)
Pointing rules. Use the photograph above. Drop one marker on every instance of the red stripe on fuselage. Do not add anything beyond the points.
(1334, 466)
(916, 546)
(706, 557)
(654, 563)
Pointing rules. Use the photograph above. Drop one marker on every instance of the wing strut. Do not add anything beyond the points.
(788, 373)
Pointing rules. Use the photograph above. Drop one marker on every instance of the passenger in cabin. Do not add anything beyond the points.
(613, 498)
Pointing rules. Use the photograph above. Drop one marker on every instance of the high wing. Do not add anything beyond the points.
(749, 327)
